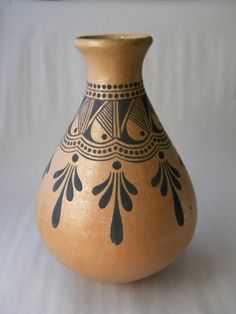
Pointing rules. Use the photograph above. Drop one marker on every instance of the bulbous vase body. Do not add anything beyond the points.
(116, 203)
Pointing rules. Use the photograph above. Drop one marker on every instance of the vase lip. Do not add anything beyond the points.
(104, 40)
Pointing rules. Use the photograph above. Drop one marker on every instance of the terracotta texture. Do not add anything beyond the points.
(116, 203)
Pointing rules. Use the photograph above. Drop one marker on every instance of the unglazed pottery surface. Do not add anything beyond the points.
(116, 203)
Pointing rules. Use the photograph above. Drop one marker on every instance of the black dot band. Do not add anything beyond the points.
(115, 91)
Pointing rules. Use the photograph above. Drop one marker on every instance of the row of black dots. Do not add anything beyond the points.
(115, 86)
(108, 95)
(115, 148)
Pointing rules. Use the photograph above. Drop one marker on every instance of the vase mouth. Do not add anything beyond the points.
(114, 58)
(103, 40)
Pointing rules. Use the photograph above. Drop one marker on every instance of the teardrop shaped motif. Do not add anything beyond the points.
(116, 231)
(125, 198)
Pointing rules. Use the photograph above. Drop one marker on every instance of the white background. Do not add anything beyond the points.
(190, 77)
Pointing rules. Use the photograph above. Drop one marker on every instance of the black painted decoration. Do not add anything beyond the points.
(48, 167)
(180, 160)
(116, 183)
(68, 176)
(116, 232)
(116, 113)
(169, 179)
(116, 122)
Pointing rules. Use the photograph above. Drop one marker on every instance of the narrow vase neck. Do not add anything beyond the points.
(115, 91)
(114, 59)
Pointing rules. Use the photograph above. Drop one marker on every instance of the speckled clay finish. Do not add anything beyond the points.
(116, 203)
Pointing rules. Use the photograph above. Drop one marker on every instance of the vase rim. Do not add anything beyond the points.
(101, 40)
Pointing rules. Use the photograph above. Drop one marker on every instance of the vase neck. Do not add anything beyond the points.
(115, 91)
(114, 59)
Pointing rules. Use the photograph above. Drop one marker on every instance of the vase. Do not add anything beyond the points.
(116, 203)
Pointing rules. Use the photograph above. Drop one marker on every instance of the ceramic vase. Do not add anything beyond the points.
(116, 203)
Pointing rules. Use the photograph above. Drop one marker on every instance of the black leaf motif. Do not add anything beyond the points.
(175, 180)
(130, 187)
(107, 195)
(179, 213)
(125, 198)
(69, 190)
(164, 186)
(59, 172)
(77, 182)
(116, 232)
(48, 166)
(57, 210)
(156, 179)
(173, 169)
(59, 181)
(99, 188)
(167, 174)
(180, 160)
(68, 175)
(122, 188)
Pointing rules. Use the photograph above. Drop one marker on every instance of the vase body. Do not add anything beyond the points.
(116, 203)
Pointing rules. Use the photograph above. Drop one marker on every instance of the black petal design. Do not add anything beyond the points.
(157, 178)
(164, 186)
(99, 188)
(48, 166)
(116, 183)
(173, 169)
(181, 161)
(59, 172)
(70, 190)
(57, 210)
(116, 231)
(107, 195)
(179, 213)
(125, 198)
(66, 176)
(59, 181)
(175, 180)
(77, 182)
(129, 186)
(169, 175)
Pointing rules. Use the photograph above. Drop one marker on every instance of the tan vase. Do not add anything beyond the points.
(116, 203)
